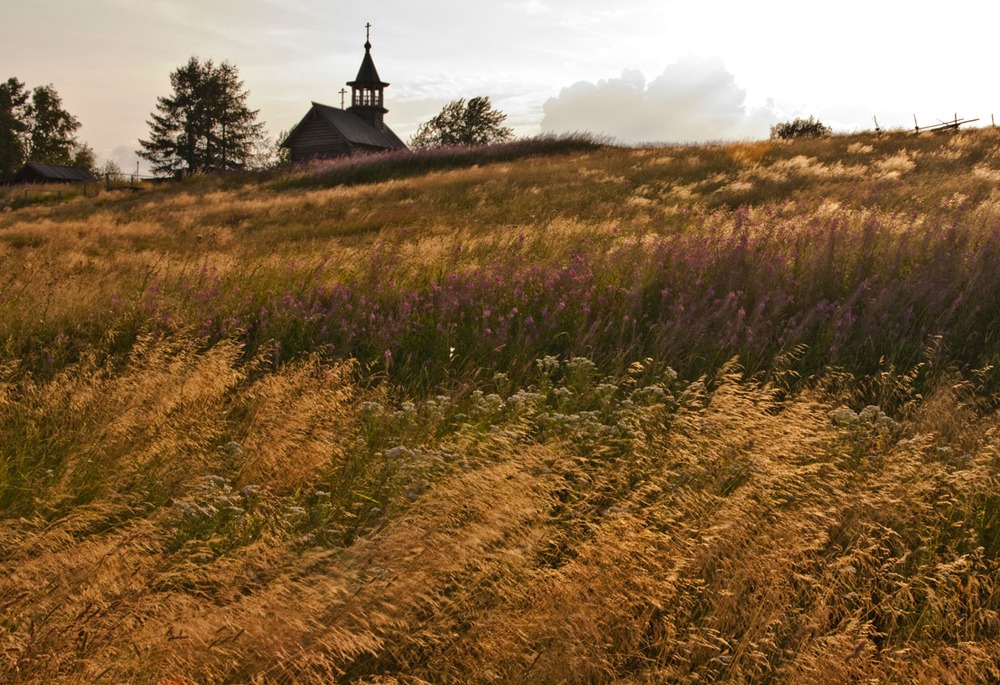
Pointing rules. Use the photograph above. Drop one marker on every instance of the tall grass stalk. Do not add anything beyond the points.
(551, 412)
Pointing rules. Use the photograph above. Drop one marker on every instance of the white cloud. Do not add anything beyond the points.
(694, 99)
(124, 156)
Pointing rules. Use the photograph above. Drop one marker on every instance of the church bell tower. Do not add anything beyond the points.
(368, 90)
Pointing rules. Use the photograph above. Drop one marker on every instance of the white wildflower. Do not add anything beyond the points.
(398, 452)
(843, 416)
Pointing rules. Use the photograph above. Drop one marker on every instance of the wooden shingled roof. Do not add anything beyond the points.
(354, 129)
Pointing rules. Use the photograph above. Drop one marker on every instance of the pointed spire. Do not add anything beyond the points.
(368, 74)
(367, 96)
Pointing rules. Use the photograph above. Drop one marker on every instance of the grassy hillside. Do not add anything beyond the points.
(547, 412)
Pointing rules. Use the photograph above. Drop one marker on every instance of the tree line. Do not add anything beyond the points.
(34, 126)
(204, 125)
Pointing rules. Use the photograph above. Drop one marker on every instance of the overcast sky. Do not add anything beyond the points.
(664, 71)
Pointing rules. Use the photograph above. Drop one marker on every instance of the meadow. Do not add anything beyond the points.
(547, 412)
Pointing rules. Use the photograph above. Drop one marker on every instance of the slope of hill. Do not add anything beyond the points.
(562, 413)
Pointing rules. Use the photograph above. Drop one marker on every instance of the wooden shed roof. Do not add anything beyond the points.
(34, 172)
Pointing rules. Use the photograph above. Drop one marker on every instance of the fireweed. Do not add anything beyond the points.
(538, 462)
(855, 291)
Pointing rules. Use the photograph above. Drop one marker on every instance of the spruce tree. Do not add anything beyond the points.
(204, 125)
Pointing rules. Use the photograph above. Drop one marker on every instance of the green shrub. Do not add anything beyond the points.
(800, 128)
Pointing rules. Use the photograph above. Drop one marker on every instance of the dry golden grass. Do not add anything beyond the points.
(738, 538)
(175, 511)
(84, 252)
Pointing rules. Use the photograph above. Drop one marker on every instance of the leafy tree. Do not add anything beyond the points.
(268, 153)
(35, 127)
(279, 156)
(800, 128)
(111, 168)
(84, 158)
(14, 126)
(53, 129)
(461, 123)
(205, 124)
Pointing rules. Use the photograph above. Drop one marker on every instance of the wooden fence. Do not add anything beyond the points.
(21, 195)
(128, 181)
(14, 196)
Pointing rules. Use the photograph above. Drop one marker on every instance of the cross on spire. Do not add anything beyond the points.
(368, 32)
(343, 92)
(367, 89)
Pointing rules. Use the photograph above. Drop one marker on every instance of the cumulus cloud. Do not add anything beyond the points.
(124, 156)
(692, 100)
